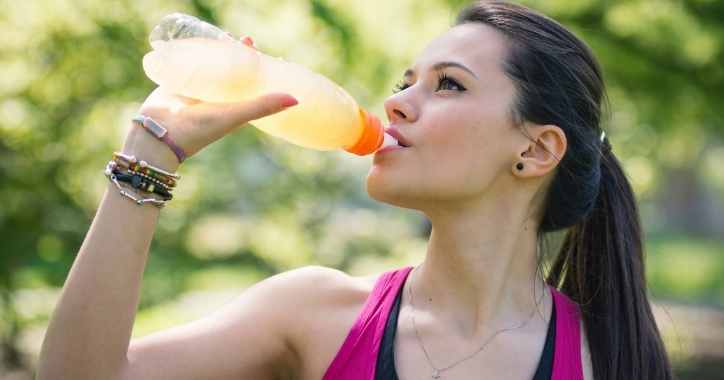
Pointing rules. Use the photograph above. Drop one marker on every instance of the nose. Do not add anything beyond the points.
(398, 109)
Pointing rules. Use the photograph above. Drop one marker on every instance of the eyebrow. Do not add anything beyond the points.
(441, 65)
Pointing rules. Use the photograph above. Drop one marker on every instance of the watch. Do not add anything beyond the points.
(161, 133)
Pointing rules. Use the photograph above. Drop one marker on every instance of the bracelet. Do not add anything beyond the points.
(138, 201)
(144, 164)
(140, 183)
(166, 182)
(132, 164)
(161, 133)
(152, 181)
(141, 176)
(115, 165)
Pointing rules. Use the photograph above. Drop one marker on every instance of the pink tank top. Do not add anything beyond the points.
(357, 358)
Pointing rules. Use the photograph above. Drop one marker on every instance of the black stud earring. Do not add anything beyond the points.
(519, 166)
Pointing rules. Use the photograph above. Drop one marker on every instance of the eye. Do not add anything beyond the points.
(444, 83)
(400, 87)
(447, 83)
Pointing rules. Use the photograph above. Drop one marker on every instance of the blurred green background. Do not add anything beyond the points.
(251, 206)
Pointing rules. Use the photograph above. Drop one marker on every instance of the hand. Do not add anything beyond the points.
(194, 124)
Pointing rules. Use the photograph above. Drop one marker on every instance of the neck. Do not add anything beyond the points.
(479, 274)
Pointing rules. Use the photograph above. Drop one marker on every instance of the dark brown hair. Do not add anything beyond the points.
(600, 265)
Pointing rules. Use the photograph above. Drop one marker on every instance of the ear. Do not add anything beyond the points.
(541, 151)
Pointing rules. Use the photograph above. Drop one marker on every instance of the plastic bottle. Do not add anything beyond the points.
(193, 58)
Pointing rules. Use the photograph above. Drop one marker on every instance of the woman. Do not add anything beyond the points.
(500, 119)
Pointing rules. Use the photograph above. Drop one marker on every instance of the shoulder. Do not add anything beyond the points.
(325, 280)
(311, 274)
(291, 298)
(311, 294)
(310, 287)
(320, 304)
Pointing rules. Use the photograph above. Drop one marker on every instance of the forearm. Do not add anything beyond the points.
(90, 328)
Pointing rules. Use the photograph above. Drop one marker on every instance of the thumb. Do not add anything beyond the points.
(228, 116)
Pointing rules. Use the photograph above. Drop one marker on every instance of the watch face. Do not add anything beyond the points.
(154, 127)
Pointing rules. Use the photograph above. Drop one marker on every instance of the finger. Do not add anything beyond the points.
(162, 95)
(161, 103)
(227, 116)
(228, 36)
(246, 40)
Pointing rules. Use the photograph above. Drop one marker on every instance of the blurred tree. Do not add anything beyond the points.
(72, 78)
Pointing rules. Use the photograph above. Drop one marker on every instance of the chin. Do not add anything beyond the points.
(388, 187)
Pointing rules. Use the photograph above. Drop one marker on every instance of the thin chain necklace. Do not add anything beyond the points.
(436, 372)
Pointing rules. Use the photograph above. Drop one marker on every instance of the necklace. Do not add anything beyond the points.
(436, 372)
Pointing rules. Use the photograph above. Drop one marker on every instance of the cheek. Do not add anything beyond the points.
(454, 170)
(462, 151)
(459, 153)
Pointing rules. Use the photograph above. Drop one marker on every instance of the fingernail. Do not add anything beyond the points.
(247, 40)
(289, 101)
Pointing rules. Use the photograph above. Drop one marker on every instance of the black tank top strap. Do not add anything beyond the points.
(385, 366)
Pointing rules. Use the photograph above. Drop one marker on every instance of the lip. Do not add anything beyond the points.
(389, 149)
(394, 132)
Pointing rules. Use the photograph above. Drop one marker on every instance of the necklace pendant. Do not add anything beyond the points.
(436, 374)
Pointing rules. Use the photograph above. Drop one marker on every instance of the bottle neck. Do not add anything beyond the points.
(372, 135)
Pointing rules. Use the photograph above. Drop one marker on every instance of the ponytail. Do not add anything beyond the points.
(601, 267)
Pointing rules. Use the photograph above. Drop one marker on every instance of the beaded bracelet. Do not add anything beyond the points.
(139, 201)
(141, 183)
(141, 176)
(166, 183)
(153, 181)
(147, 178)
(142, 167)
(130, 163)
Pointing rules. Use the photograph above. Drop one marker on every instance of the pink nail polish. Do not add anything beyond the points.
(289, 101)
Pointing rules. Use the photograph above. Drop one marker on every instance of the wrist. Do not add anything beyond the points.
(144, 146)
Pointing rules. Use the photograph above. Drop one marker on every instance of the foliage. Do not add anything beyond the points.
(71, 79)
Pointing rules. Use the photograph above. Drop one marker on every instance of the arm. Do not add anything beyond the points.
(90, 328)
(89, 331)
(249, 338)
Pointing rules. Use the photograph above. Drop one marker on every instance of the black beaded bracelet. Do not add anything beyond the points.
(140, 183)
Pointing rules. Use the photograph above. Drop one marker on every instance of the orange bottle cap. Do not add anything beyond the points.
(372, 135)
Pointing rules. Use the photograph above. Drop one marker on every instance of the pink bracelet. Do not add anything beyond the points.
(160, 133)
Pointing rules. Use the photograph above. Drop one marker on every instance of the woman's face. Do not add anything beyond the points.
(454, 112)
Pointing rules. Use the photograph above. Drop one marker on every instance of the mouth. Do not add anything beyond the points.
(401, 140)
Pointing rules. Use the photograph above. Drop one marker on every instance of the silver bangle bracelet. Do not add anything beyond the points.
(139, 201)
